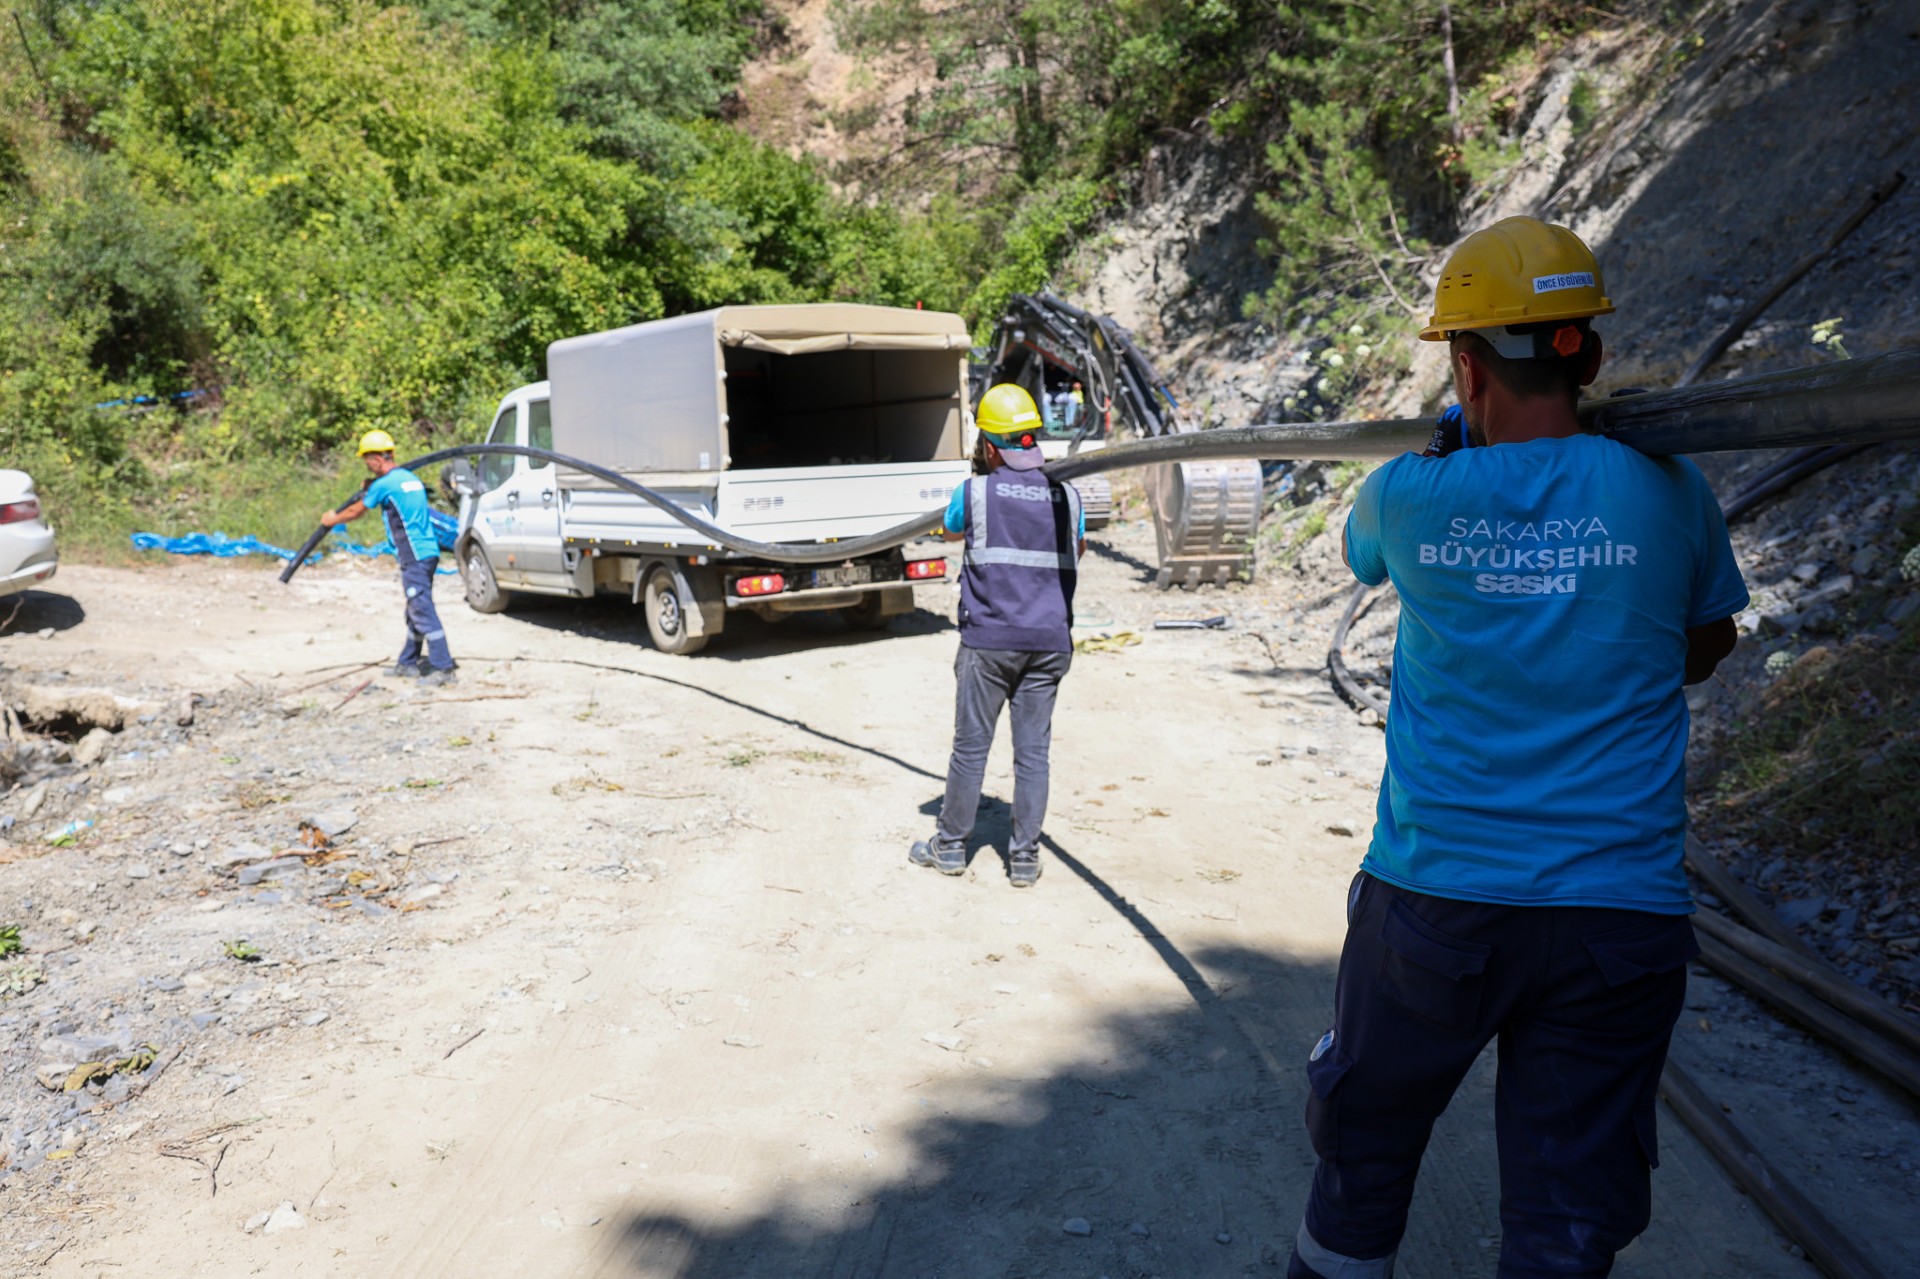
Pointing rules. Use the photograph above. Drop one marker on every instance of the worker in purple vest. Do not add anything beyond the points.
(1024, 533)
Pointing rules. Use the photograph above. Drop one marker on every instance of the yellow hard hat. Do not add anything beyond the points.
(1517, 271)
(375, 442)
(1007, 410)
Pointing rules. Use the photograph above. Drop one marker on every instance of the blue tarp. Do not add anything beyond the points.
(445, 529)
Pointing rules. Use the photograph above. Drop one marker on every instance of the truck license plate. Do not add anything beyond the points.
(846, 575)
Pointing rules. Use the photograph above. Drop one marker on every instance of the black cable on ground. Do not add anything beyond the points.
(1338, 665)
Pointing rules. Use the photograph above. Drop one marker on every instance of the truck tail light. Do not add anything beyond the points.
(759, 584)
(16, 512)
(921, 570)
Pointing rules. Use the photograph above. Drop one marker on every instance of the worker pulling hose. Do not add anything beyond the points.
(1851, 402)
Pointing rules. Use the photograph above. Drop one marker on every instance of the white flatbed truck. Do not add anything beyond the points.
(796, 424)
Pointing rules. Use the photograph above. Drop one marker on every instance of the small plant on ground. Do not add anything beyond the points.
(10, 943)
(18, 979)
(241, 949)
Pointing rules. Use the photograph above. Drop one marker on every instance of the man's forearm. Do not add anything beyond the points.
(344, 515)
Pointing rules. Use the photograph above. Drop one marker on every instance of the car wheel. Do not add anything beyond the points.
(482, 588)
(666, 615)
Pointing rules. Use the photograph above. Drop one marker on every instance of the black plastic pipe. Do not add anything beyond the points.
(1831, 1251)
(1807, 462)
(1847, 402)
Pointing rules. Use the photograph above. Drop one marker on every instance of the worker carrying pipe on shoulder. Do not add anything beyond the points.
(402, 498)
(1024, 535)
(1524, 878)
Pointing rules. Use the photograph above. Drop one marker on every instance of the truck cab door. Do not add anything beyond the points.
(497, 510)
(541, 554)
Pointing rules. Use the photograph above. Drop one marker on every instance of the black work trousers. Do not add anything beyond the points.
(985, 681)
(1583, 1001)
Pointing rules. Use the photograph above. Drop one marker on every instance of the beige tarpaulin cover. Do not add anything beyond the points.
(814, 343)
(844, 326)
(649, 397)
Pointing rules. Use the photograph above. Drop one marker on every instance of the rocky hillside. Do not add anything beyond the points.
(1700, 167)
(1701, 157)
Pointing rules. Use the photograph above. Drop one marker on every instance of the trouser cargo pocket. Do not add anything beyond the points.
(1325, 1069)
(1644, 950)
(1427, 972)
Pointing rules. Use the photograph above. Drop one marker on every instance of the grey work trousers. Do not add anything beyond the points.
(987, 679)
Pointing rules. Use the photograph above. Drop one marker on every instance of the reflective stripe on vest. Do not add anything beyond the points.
(978, 552)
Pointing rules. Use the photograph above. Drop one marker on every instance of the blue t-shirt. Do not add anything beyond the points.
(1536, 747)
(404, 499)
(956, 521)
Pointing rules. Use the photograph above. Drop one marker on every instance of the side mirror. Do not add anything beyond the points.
(459, 479)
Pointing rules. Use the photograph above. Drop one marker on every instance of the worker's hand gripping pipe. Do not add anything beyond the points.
(1848, 402)
(312, 543)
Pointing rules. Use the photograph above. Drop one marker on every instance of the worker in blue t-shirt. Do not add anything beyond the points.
(1524, 881)
(398, 494)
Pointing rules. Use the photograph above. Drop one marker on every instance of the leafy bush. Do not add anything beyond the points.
(287, 221)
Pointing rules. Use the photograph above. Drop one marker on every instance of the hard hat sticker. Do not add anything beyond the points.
(1568, 280)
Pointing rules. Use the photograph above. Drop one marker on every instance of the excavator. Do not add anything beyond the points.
(1092, 382)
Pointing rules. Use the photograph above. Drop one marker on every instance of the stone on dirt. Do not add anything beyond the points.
(52, 1075)
(238, 855)
(34, 799)
(272, 869)
(285, 1217)
(92, 746)
(1079, 1226)
(1795, 912)
(333, 822)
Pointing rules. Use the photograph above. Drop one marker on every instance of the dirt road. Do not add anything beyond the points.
(621, 969)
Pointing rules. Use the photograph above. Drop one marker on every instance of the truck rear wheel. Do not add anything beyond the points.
(870, 614)
(666, 615)
(482, 588)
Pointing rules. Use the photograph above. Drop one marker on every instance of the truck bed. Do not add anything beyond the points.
(799, 504)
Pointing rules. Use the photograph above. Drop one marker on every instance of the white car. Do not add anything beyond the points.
(27, 557)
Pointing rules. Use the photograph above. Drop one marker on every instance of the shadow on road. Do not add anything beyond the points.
(746, 637)
(1171, 1134)
(31, 611)
(787, 720)
(1176, 1136)
(1143, 571)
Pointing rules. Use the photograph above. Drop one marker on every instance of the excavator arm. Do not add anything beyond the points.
(1205, 514)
